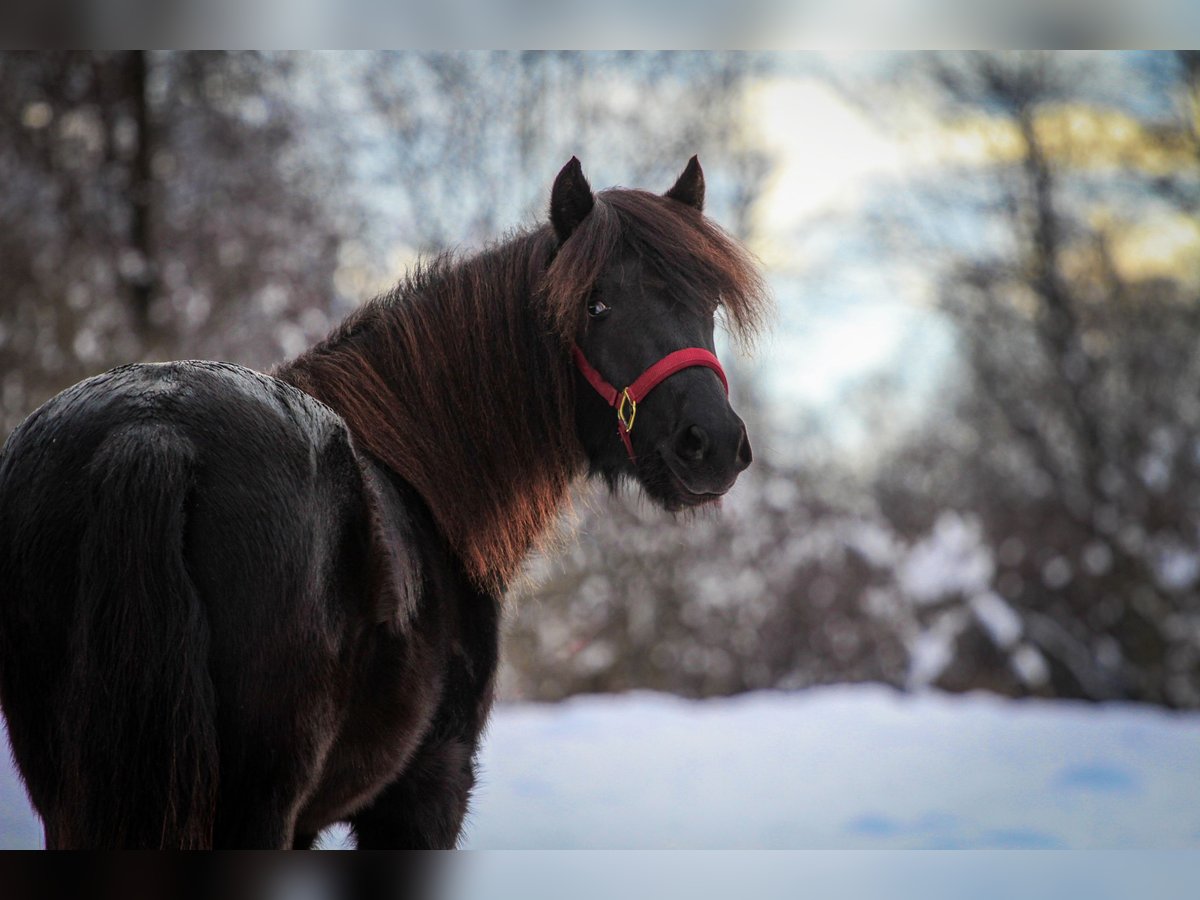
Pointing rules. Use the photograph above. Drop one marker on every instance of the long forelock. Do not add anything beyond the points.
(687, 250)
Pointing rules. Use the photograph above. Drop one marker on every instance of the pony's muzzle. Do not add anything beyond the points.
(708, 457)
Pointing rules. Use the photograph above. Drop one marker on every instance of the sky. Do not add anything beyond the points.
(854, 247)
(848, 311)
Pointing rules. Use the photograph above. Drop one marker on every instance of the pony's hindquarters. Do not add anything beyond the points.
(185, 582)
(140, 769)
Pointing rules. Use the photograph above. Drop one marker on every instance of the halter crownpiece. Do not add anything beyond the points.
(625, 401)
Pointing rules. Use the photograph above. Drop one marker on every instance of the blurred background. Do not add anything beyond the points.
(976, 420)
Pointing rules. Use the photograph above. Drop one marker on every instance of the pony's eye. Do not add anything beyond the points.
(597, 309)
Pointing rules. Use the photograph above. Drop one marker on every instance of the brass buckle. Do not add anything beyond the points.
(626, 421)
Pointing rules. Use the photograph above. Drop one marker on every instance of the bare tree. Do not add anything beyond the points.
(155, 205)
(473, 139)
(1080, 397)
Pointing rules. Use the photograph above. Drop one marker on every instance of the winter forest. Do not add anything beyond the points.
(976, 419)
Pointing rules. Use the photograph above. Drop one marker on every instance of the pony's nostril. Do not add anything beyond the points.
(744, 454)
(692, 443)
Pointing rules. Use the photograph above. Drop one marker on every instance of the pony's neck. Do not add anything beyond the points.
(457, 383)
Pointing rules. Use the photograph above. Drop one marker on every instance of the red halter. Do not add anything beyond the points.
(625, 401)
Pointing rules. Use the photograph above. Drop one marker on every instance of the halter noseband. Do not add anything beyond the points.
(625, 401)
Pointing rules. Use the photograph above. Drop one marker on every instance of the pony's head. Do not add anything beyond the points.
(634, 288)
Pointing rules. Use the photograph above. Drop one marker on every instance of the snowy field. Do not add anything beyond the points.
(843, 767)
(839, 767)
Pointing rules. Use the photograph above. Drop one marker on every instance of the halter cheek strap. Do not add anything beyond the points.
(625, 401)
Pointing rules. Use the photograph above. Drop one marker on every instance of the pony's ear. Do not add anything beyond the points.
(570, 199)
(689, 187)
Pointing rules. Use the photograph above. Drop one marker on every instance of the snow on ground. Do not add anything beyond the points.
(839, 767)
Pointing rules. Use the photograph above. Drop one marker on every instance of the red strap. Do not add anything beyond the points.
(672, 363)
(595, 379)
(646, 382)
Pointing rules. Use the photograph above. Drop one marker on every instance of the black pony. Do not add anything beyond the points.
(236, 608)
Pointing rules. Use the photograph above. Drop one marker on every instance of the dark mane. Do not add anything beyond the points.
(458, 379)
(453, 383)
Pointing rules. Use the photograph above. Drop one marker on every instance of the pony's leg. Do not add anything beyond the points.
(260, 795)
(273, 743)
(260, 829)
(424, 808)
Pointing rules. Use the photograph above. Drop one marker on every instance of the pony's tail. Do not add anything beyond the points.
(141, 745)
